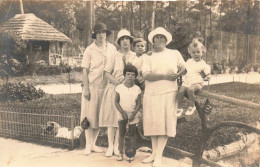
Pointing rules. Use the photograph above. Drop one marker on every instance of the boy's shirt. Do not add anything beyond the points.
(138, 62)
(128, 97)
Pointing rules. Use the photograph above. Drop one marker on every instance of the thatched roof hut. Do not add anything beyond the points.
(32, 38)
(27, 27)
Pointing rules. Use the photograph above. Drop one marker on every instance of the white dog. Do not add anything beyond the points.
(53, 128)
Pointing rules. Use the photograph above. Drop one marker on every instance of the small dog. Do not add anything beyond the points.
(53, 128)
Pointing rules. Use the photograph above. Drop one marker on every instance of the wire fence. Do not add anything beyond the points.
(41, 126)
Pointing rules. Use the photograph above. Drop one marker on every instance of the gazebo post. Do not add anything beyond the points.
(21, 6)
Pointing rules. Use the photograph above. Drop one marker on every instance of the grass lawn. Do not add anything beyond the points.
(187, 133)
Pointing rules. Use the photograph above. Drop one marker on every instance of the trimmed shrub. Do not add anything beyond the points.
(19, 92)
(47, 70)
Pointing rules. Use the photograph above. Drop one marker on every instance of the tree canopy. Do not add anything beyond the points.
(184, 19)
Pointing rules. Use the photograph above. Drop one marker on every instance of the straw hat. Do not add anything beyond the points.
(100, 27)
(124, 33)
(161, 31)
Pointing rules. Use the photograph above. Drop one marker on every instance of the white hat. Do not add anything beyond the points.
(161, 31)
(123, 33)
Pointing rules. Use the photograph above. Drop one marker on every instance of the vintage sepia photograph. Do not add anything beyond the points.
(130, 83)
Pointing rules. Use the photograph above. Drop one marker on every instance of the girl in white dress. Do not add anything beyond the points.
(114, 73)
(94, 59)
(160, 70)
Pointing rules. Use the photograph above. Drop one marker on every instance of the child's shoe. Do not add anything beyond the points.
(119, 157)
(190, 110)
(179, 112)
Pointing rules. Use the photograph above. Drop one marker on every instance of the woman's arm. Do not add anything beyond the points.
(86, 83)
(118, 106)
(111, 78)
(149, 76)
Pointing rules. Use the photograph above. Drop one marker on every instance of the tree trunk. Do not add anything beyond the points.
(200, 13)
(169, 15)
(140, 15)
(210, 19)
(220, 28)
(153, 15)
(21, 6)
(131, 19)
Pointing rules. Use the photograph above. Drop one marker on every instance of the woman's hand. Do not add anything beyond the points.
(117, 82)
(174, 76)
(87, 94)
(149, 53)
(171, 76)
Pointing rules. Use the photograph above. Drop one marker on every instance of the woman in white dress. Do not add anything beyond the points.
(114, 73)
(94, 59)
(160, 70)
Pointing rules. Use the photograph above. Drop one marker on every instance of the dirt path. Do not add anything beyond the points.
(15, 153)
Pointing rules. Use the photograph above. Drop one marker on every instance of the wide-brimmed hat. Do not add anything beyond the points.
(124, 33)
(100, 27)
(161, 31)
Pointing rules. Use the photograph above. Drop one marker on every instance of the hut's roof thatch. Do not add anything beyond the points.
(27, 27)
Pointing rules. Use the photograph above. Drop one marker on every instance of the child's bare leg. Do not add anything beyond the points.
(190, 91)
(181, 93)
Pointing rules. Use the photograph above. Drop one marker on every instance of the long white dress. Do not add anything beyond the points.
(160, 103)
(94, 59)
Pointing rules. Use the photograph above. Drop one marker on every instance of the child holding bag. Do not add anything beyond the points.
(128, 103)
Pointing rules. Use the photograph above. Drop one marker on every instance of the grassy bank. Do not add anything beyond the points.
(187, 133)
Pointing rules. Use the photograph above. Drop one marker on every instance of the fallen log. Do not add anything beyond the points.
(230, 149)
(231, 100)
